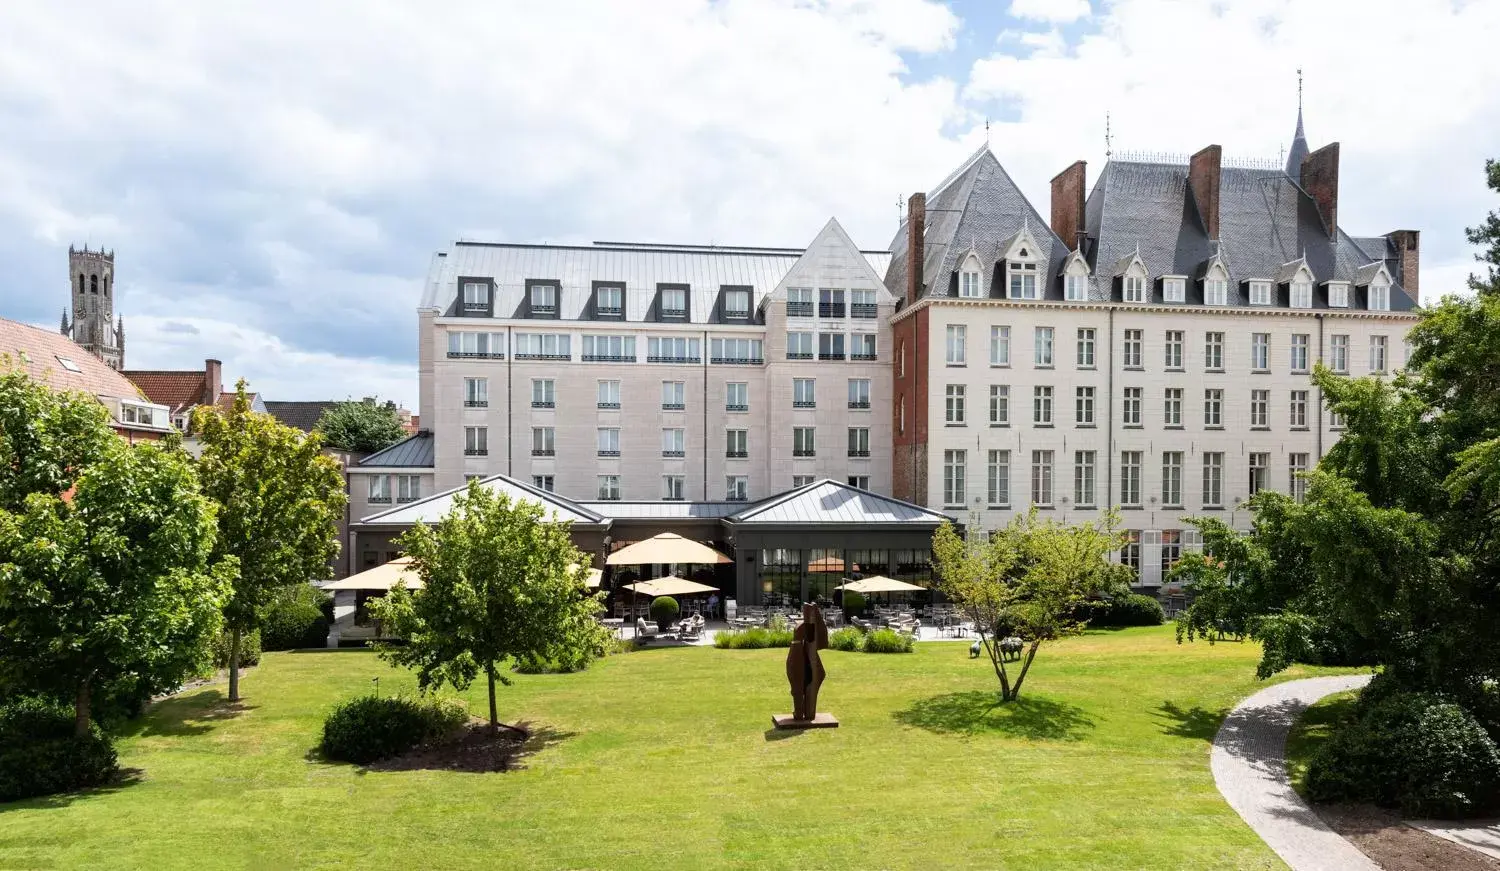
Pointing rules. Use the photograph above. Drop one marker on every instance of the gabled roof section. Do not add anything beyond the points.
(414, 452)
(829, 501)
(1364, 275)
(1123, 265)
(858, 270)
(1074, 256)
(176, 389)
(1288, 271)
(40, 354)
(299, 415)
(432, 509)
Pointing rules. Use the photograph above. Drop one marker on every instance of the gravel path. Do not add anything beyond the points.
(1249, 765)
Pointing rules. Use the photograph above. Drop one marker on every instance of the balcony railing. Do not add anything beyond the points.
(475, 355)
(736, 407)
(476, 452)
(830, 355)
(860, 355)
(380, 500)
(804, 403)
(732, 360)
(481, 308)
(672, 406)
(609, 311)
(830, 309)
(610, 406)
(862, 310)
(859, 453)
(736, 497)
(476, 403)
(804, 452)
(736, 455)
(859, 403)
(608, 453)
(799, 309)
(672, 359)
(799, 355)
(528, 356)
(609, 358)
(545, 309)
(738, 315)
(405, 499)
(674, 454)
(543, 452)
(675, 313)
(543, 403)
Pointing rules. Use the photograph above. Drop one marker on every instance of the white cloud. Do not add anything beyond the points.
(1055, 11)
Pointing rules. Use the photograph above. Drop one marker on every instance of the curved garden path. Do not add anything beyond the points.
(1249, 765)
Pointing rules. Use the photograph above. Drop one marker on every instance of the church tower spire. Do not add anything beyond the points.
(1299, 139)
(91, 280)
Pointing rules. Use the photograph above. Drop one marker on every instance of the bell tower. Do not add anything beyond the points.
(91, 280)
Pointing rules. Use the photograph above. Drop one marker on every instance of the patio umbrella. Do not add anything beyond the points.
(382, 577)
(670, 587)
(593, 579)
(879, 584)
(826, 564)
(669, 547)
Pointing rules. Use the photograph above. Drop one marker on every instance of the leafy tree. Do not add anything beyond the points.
(280, 499)
(47, 437)
(499, 580)
(1028, 580)
(366, 426)
(111, 582)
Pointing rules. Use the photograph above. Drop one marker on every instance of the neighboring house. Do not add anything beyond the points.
(181, 390)
(62, 364)
(402, 473)
(300, 415)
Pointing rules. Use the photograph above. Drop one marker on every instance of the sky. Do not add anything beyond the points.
(274, 176)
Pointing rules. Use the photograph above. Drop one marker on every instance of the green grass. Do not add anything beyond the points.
(1311, 730)
(664, 759)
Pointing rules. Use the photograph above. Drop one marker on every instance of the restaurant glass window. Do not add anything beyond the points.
(825, 570)
(780, 576)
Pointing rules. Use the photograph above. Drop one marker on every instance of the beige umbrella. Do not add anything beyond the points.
(382, 577)
(879, 584)
(670, 587)
(668, 547)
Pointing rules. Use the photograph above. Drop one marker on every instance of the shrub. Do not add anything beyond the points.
(755, 638)
(249, 649)
(40, 755)
(778, 623)
(888, 641)
(295, 620)
(1415, 751)
(370, 728)
(854, 604)
(1129, 610)
(664, 610)
(847, 638)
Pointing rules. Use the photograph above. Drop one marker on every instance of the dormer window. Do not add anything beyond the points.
(1076, 279)
(476, 296)
(969, 285)
(1022, 271)
(1302, 290)
(1380, 296)
(1338, 294)
(544, 299)
(1174, 289)
(1260, 293)
(736, 303)
(609, 301)
(674, 302)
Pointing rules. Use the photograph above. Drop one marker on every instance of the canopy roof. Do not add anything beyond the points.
(669, 547)
(670, 587)
(879, 584)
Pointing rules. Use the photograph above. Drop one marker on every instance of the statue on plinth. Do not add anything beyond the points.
(804, 671)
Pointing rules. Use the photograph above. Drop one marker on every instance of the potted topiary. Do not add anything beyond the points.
(664, 611)
(854, 604)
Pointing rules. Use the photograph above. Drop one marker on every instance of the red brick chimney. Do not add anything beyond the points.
(213, 381)
(1320, 178)
(1203, 180)
(1067, 204)
(1407, 244)
(916, 245)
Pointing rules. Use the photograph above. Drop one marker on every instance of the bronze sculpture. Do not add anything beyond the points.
(804, 667)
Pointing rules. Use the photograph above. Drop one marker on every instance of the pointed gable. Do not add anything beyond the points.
(831, 260)
(432, 509)
(831, 502)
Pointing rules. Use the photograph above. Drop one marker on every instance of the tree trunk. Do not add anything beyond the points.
(997, 659)
(81, 707)
(234, 665)
(494, 714)
(1015, 691)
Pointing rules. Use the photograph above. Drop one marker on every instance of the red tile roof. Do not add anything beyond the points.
(41, 354)
(175, 389)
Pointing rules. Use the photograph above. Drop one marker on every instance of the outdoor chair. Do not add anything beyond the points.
(644, 629)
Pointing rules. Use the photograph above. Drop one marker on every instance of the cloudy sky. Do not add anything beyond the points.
(275, 175)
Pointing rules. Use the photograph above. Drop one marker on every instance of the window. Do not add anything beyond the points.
(609, 488)
(830, 346)
(673, 395)
(1335, 420)
(998, 479)
(1338, 353)
(799, 302)
(830, 302)
(1130, 479)
(1213, 479)
(408, 488)
(1338, 294)
(736, 488)
(1043, 349)
(1135, 288)
(672, 487)
(1000, 346)
(1171, 479)
(1260, 293)
(803, 480)
(1083, 406)
(859, 393)
(862, 346)
(609, 441)
(1132, 349)
(859, 441)
(476, 441)
(674, 302)
(863, 305)
(1259, 464)
(543, 299)
(1213, 352)
(736, 444)
(470, 344)
(674, 442)
(1041, 478)
(968, 282)
(609, 301)
(1174, 289)
(1299, 409)
(543, 482)
(1260, 352)
(476, 296)
(1299, 352)
(1172, 358)
(610, 349)
(804, 441)
(999, 405)
(804, 393)
(380, 489)
(1076, 288)
(1301, 294)
(1022, 280)
(1213, 408)
(1380, 297)
(543, 441)
(543, 346)
(953, 478)
(673, 349)
(1171, 549)
(957, 345)
(543, 393)
(860, 482)
(1130, 553)
(736, 351)
(1296, 464)
(1131, 407)
(1377, 353)
(1172, 408)
(1041, 405)
(1216, 292)
(737, 396)
(736, 303)
(953, 405)
(1260, 415)
(1083, 478)
(609, 395)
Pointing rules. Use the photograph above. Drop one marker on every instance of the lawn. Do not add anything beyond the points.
(663, 759)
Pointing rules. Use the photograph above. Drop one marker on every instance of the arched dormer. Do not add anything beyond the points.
(1133, 275)
(1023, 266)
(971, 277)
(1378, 293)
(1298, 278)
(1216, 282)
(1075, 275)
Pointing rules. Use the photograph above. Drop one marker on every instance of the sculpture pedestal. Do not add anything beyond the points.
(821, 721)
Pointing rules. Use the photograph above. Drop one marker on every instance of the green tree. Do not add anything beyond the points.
(366, 426)
(47, 437)
(1028, 580)
(499, 581)
(279, 499)
(111, 582)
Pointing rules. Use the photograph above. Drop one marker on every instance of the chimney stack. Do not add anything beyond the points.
(1067, 205)
(916, 245)
(1407, 244)
(1320, 178)
(1203, 180)
(213, 381)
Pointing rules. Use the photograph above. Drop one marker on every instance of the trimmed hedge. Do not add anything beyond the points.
(40, 755)
(664, 609)
(295, 620)
(1129, 610)
(371, 728)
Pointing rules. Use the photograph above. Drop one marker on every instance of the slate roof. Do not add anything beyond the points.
(430, 510)
(176, 389)
(302, 415)
(1299, 150)
(827, 501)
(412, 452)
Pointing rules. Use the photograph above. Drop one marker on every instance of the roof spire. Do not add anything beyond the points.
(986, 130)
(1299, 149)
(1106, 135)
